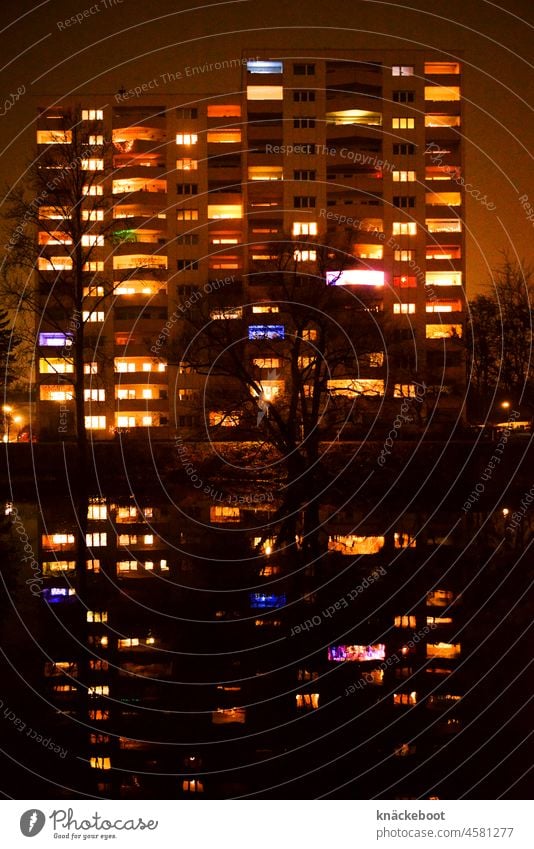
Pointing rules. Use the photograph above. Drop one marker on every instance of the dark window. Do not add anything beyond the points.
(403, 96)
(404, 149)
(304, 175)
(304, 96)
(187, 264)
(303, 123)
(304, 202)
(186, 188)
(404, 201)
(186, 112)
(187, 239)
(304, 70)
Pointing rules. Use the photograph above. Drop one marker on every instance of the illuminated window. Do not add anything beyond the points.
(439, 598)
(94, 394)
(100, 762)
(219, 418)
(443, 252)
(224, 136)
(261, 66)
(309, 335)
(403, 309)
(402, 70)
(304, 228)
(442, 121)
(224, 110)
(265, 308)
(442, 93)
(443, 199)
(192, 785)
(404, 621)
(95, 422)
(97, 511)
(405, 698)
(55, 393)
(266, 331)
(265, 92)
(92, 240)
(444, 331)
(92, 114)
(439, 620)
(92, 164)
(96, 539)
(56, 541)
(94, 265)
(187, 215)
(93, 190)
(53, 567)
(358, 654)
(221, 514)
(54, 136)
(127, 566)
(442, 68)
(121, 263)
(186, 164)
(128, 642)
(444, 306)
(97, 616)
(224, 716)
(403, 123)
(265, 172)
(404, 228)
(225, 210)
(92, 215)
(93, 315)
(267, 362)
(55, 365)
(375, 359)
(403, 256)
(305, 256)
(448, 650)
(355, 277)
(307, 701)
(94, 566)
(442, 172)
(186, 138)
(403, 176)
(443, 225)
(351, 544)
(54, 263)
(369, 251)
(443, 278)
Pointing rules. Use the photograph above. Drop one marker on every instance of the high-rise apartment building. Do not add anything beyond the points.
(356, 154)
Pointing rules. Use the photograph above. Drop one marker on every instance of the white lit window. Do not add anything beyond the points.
(93, 190)
(94, 394)
(186, 138)
(402, 70)
(93, 315)
(92, 164)
(92, 240)
(97, 511)
(90, 368)
(94, 265)
(98, 139)
(305, 256)
(127, 566)
(404, 228)
(404, 309)
(92, 114)
(304, 228)
(96, 539)
(403, 176)
(265, 92)
(97, 616)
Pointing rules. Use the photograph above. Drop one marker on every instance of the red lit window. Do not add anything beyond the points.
(405, 282)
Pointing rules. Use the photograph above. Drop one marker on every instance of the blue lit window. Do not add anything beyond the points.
(54, 340)
(264, 600)
(257, 66)
(266, 331)
(56, 595)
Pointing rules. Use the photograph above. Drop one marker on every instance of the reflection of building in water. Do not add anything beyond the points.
(251, 649)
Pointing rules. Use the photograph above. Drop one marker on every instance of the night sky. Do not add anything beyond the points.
(130, 42)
